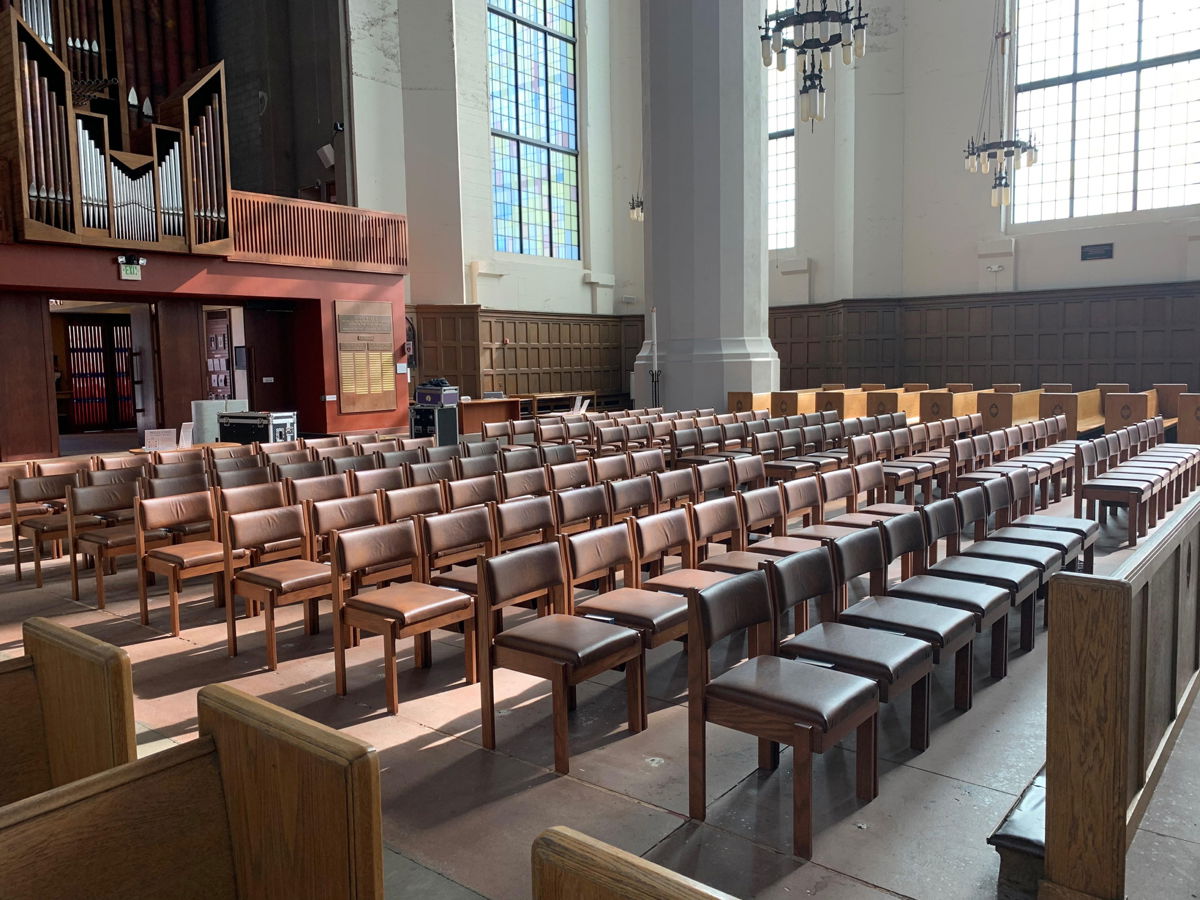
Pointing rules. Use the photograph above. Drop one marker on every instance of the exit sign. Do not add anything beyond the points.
(127, 272)
(1089, 252)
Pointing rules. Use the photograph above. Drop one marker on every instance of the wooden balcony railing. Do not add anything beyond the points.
(282, 231)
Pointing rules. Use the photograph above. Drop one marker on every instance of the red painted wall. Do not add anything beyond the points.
(89, 273)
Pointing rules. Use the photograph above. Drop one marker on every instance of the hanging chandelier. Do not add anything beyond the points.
(1009, 152)
(812, 28)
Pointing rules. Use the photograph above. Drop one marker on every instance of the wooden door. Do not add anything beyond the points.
(99, 372)
(270, 358)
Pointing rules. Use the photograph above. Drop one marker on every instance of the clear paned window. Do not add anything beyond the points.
(1109, 90)
(534, 121)
(781, 152)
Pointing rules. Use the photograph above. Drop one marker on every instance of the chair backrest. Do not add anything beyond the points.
(839, 485)
(476, 466)
(664, 533)
(598, 554)
(631, 496)
(523, 521)
(173, 510)
(472, 491)
(569, 475)
(290, 457)
(904, 535)
(321, 487)
(174, 470)
(860, 553)
(81, 500)
(868, 477)
(454, 537)
(610, 468)
(310, 469)
(263, 527)
(747, 472)
(526, 482)
(66, 712)
(581, 505)
(368, 481)
(515, 577)
(430, 472)
(169, 457)
(394, 458)
(404, 503)
(338, 451)
(391, 545)
(717, 521)
(768, 442)
(647, 462)
(802, 498)
(243, 477)
(414, 443)
(762, 509)
(675, 486)
(127, 461)
(817, 436)
(799, 577)
(521, 459)
(941, 520)
(727, 607)
(445, 453)
(522, 428)
(972, 506)
(115, 476)
(345, 464)
(714, 476)
(279, 447)
(233, 463)
(250, 497)
(342, 514)
(557, 455)
(216, 453)
(166, 487)
(333, 440)
(998, 497)
(495, 431)
(863, 448)
(369, 448)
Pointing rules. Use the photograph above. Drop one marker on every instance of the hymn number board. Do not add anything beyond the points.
(366, 369)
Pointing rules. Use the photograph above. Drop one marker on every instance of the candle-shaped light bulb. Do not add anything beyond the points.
(1031, 156)
(995, 197)
(777, 40)
(847, 54)
(860, 41)
(1018, 160)
(781, 60)
(654, 338)
(1006, 196)
(974, 160)
(825, 30)
(985, 165)
(820, 113)
(805, 106)
(967, 162)
(827, 58)
(768, 54)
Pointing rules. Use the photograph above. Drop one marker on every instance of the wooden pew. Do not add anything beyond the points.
(1188, 431)
(912, 387)
(959, 387)
(66, 711)
(744, 401)
(568, 864)
(866, 387)
(1084, 410)
(847, 404)
(1123, 671)
(896, 400)
(1006, 388)
(265, 803)
(1058, 388)
(1126, 409)
(1168, 402)
(947, 403)
(1005, 408)
(793, 403)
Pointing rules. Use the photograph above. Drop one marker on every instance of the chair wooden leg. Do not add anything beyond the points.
(572, 698)
(1028, 623)
(37, 560)
(143, 600)
(173, 587)
(423, 650)
(635, 693)
(964, 688)
(867, 762)
(1000, 647)
(802, 827)
(768, 755)
(312, 617)
(1134, 514)
(339, 653)
(272, 650)
(231, 647)
(390, 676)
(99, 585)
(558, 696)
(16, 542)
(470, 664)
(697, 763)
(75, 574)
(487, 703)
(919, 715)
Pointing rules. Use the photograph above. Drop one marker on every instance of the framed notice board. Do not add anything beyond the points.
(365, 355)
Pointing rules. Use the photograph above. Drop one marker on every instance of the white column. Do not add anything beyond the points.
(706, 234)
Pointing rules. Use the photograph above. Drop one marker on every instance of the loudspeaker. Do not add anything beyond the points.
(439, 422)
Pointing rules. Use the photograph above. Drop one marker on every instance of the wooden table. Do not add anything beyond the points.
(534, 400)
(472, 414)
(212, 445)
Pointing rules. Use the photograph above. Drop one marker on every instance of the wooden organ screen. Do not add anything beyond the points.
(99, 361)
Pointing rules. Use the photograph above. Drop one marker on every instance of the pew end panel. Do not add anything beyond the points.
(1003, 409)
(848, 404)
(1121, 410)
(744, 401)
(1188, 431)
(793, 403)
(567, 863)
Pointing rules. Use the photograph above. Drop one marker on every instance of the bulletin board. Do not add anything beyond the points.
(365, 356)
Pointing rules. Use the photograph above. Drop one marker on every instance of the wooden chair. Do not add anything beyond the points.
(567, 863)
(403, 607)
(233, 463)
(110, 537)
(522, 521)
(631, 497)
(450, 545)
(520, 459)
(476, 466)
(264, 803)
(581, 509)
(368, 481)
(66, 712)
(35, 510)
(675, 488)
(312, 468)
(558, 454)
(404, 503)
(318, 488)
(243, 477)
(339, 514)
(779, 701)
(564, 649)
(263, 579)
(215, 453)
(466, 492)
(445, 454)
(430, 472)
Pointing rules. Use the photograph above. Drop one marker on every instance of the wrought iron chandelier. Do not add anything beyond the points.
(1003, 156)
(812, 28)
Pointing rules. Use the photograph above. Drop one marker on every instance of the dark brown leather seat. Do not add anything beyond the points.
(193, 553)
(735, 562)
(1019, 580)
(680, 581)
(984, 602)
(810, 695)
(190, 529)
(568, 639)
(879, 510)
(783, 546)
(410, 602)
(46, 524)
(647, 611)
(891, 659)
(939, 626)
(823, 532)
(119, 536)
(116, 516)
(287, 575)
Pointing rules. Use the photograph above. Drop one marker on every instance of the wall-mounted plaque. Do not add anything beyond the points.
(1089, 252)
(365, 355)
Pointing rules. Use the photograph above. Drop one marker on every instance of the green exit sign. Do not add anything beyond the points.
(130, 272)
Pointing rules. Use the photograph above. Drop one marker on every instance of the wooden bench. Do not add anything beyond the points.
(959, 387)
(947, 403)
(1084, 409)
(793, 403)
(1123, 672)
(567, 863)
(848, 404)
(1188, 430)
(1121, 409)
(264, 803)
(1005, 408)
(743, 401)
(893, 401)
(66, 711)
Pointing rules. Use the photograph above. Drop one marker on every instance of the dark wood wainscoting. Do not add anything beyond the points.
(1140, 335)
(526, 353)
(28, 417)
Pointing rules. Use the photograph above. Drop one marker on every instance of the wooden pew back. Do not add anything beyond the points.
(895, 400)
(1121, 410)
(1123, 671)
(66, 710)
(567, 863)
(793, 403)
(264, 803)
(743, 401)
(947, 403)
(1084, 410)
(1188, 431)
(848, 404)
(1006, 408)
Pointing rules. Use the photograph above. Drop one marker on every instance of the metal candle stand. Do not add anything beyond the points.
(655, 375)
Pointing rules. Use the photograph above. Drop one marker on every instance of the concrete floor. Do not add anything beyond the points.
(459, 820)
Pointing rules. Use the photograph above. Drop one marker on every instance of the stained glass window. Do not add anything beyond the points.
(1110, 92)
(534, 116)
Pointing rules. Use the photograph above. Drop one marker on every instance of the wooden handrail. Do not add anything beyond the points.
(288, 232)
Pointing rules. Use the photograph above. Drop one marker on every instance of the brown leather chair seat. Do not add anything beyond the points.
(939, 626)
(824, 532)
(568, 639)
(459, 578)
(680, 581)
(194, 553)
(1047, 560)
(410, 602)
(854, 520)
(881, 510)
(783, 546)
(120, 536)
(735, 562)
(810, 695)
(786, 469)
(1019, 580)
(646, 611)
(116, 516)
(888, 658)
(1067, 543)
(43, 524)
(1087, 529)
(984, 602)
(287, 576)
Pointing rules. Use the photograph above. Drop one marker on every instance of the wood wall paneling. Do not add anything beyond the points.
(28, 426)
(180, 360)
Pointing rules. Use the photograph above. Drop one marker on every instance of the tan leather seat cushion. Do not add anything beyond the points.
(44, 524)
(652, 611)
(680, 581)
(569, 639)
(120, 536)
(192, 554)
(460, 578)
(410, 602)
(810, 695)
(288, 575)
(886, 657)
